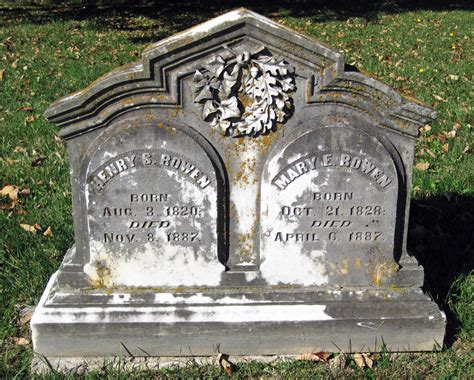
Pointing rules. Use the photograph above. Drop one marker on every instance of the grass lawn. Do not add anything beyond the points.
(46, 53)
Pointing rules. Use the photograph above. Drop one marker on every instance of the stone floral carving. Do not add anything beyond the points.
(246, 95)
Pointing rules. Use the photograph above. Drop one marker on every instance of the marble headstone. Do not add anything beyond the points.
(237, 190)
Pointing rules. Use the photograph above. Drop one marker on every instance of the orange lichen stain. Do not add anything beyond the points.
(345, 266)
(383, 271)
(103, 278)
(357, 263)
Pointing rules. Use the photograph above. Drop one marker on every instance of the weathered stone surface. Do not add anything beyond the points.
(237, 189)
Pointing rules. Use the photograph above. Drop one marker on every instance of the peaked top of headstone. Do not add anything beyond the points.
(93, 106)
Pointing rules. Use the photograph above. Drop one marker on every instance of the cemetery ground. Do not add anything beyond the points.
(46, 53)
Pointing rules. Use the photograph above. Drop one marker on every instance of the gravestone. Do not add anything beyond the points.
(237, 190)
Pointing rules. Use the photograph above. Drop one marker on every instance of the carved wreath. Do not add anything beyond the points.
(246, 95)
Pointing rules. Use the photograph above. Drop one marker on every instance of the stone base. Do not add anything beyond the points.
(253, 321)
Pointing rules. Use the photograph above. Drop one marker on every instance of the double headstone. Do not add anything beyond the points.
(237, 190)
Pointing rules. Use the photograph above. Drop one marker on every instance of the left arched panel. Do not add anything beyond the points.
(152, 208)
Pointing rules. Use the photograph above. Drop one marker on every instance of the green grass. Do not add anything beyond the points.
(46, 54)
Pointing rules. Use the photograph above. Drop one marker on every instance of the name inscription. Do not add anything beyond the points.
(363, 165)
(146, 158)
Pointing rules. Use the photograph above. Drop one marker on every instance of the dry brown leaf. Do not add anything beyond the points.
(21, 341)
(28, 228)
(37, 227)
(1, 74)
(15, 64)
(12, 193)
(25, 191)
(437, 97)
(445, 147)
(422, 166)
(315, 356)
(48, 232)
(451, 134)
(26, 108)
(426, 128)
(225, 364)
(30, 119)
(359, 360)
(368, 360)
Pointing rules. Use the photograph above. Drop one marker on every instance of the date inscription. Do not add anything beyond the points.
(153, 218)
(344, 222)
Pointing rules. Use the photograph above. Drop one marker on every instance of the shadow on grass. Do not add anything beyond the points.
(179, 15)
(442, 239)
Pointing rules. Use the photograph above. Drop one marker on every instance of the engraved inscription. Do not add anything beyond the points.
(363, 165)
(150, 216)
(146, 158)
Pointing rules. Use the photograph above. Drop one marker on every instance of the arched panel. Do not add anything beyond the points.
(329, 209)
(154, 201)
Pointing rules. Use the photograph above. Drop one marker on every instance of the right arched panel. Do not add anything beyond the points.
(328, 210)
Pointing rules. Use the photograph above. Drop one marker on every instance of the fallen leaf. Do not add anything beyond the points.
(1, 74)
(25, 191)
(38, 161)
(426, 128)
(12, 193)
(451, 134)
(48, 232)
(445, 147)
(15, 64)
(26, 108)
(439, 98)
(28, 228)
(30, 119)
(359, 360)
(315, 356)
(37, 227)
(422, 166)
(368, 360)
(21, 341)
(225, 364)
